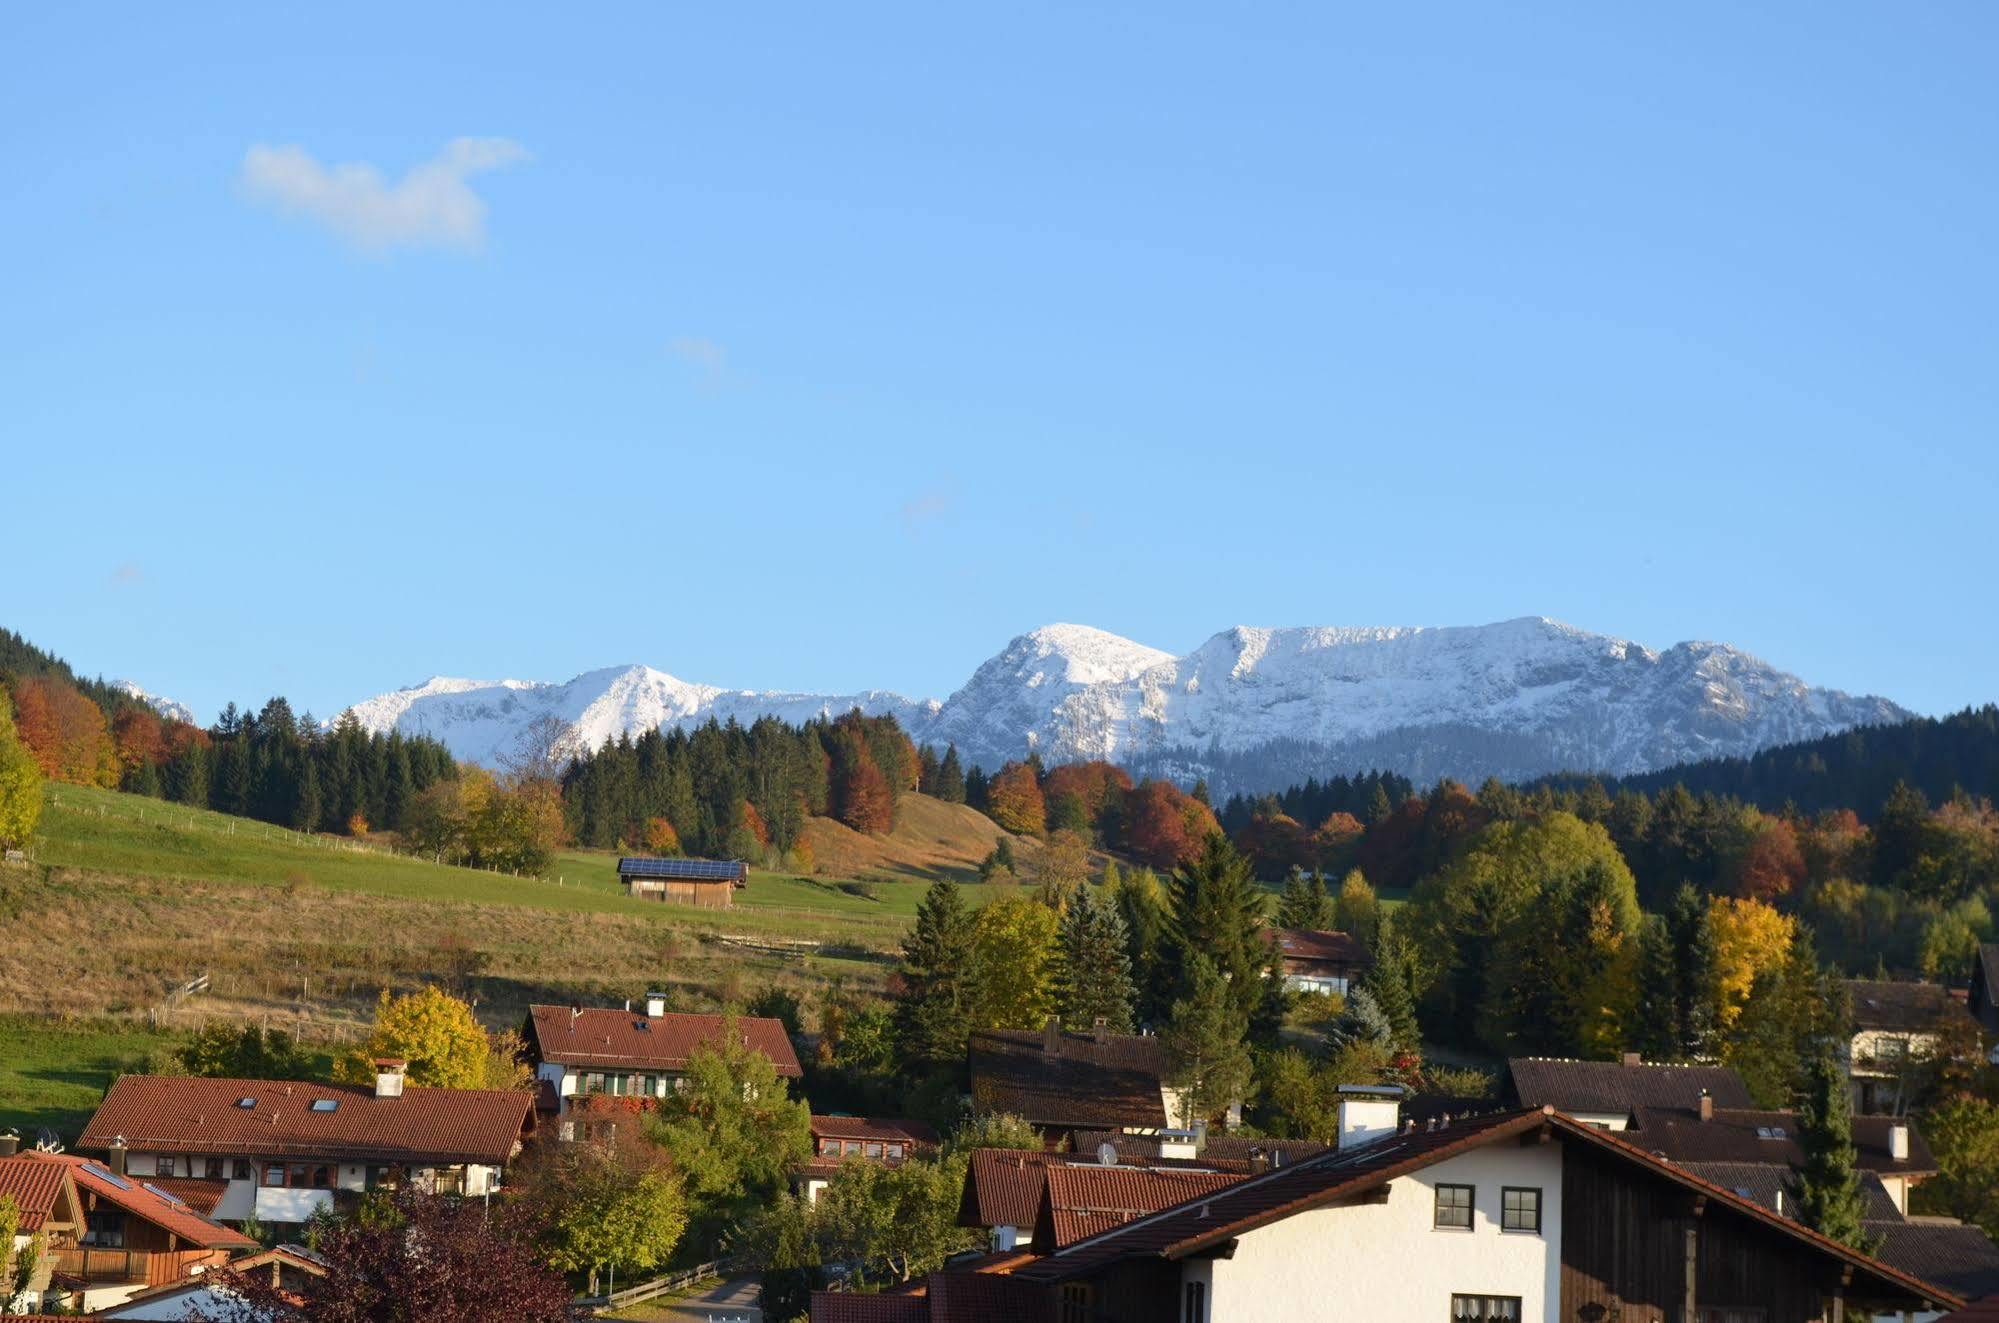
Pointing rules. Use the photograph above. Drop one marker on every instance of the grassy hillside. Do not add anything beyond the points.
(127, 899)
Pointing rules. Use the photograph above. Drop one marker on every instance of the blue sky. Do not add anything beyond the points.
(830, 346)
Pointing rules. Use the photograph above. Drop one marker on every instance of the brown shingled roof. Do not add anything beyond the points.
(1900, 1007)
(1097, 1080)
(1316, 946)
(1957, 1257)
(630, 1040)
(1745, 1135)
(165, 1114)
(1610, 1086)
(888, 1129)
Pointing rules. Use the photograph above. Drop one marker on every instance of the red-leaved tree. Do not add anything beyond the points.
(1015, 802)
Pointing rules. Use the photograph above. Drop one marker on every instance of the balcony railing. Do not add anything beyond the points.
(102, 1265)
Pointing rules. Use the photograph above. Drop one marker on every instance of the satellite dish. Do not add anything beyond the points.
(1107, 1154)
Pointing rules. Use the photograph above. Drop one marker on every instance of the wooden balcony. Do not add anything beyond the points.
(94, 1265)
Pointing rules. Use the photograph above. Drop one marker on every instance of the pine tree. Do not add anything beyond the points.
(1217, 915)
(1305, 904)
(1387, 982)
(1656, 1031)
(1094, 974)
(1828, 1186)
(932, 1014)
(1207, 1058)
(950, 777)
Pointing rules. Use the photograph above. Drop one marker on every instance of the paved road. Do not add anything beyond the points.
(725, 1302)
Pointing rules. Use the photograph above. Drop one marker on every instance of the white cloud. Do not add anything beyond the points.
(704, 354)
(432, 204)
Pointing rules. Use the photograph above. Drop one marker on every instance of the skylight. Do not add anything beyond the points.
(325, 1104)
(246, 1102)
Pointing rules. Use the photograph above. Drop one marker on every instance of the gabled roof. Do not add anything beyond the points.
(1745, 1135)
(165, 1114)
(1220, 1152)
(1762, 1183)
(630, 1040)
(146, 1201)
(1003, 1187)
(1597, 1087)
(1321, 945)
(1100, 1080)
(686, 870)
(43, 1191)
(196, 1192)
(1957, 1257)
(1079, 1201)
(1202, 1223)
(1898, 1007)
(882, 1128)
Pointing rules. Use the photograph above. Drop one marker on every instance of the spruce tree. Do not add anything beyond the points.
(932, 1014)
(1387, 982)
(1656, 1032)
(950, 777)
(1207, 1058)
(1094, 969)
(1216, 914)
(1361, 1022)
(1294, 909)
(1828, 1185)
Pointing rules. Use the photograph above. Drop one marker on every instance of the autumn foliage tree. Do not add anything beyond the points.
(1014, 800)
(1165, 827)
(861, 796)
(660, 837)
(20, 783)
(66, 732)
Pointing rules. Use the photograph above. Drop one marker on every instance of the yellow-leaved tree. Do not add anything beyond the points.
(1746, 938)
(20, 783)
(445, 1045)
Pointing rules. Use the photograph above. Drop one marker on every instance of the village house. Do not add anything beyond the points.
(1518, 1215)
(281, 1150)
(578, 1053)
(1984, 999)
(709, 883)
(1062, 1082)
(1320, 960)
(204, 1295)
(133, 1235)
(1895, 1024)
(51, 1220)
(838, 1139)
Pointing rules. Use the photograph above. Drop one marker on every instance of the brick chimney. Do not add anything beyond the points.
(1634, 1059)
(1707, 1105)
(389, 1077)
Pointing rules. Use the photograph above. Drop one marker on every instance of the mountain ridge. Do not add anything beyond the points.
(1252, 707)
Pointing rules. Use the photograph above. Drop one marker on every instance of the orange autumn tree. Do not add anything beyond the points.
(66, 732)
(861, 795)
(1771, 865)
(1164, 826)
(138, 738)
(660, 838)
(1015, 802)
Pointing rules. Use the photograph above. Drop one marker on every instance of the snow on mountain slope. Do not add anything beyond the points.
(166, 707)
(1251, 708)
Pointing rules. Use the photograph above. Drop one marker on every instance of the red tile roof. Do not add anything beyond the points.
(161, 1114)
(148, 1201)
(37, 1188)
(1096, 1080)
(632, 1040)
(1003, 1187)
(856, 1307)
(199, 1194)
(1079, 1201)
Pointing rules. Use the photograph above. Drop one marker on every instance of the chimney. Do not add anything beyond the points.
(655, 1005)
(114, 1157)
(1100, 1028)
(10, 1144)
(1707, 1105)
(1898, 1141)
(1780, 1199)
(1182, 1144)
(1634, 1059)
(389, 1077)
(1259, 1162)
(1368, 1113)
(1051, 1036)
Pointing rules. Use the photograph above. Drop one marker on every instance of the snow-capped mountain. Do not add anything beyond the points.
(1250, 709)
(166, 707)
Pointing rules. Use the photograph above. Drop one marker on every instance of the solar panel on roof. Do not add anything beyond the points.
(696, 869)
(106, 1174)
(154, 1189)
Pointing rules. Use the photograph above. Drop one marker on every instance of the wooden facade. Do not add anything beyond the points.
(1636, 1249)
(678, 891)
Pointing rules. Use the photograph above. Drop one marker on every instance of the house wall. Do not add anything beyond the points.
(1389, 1261)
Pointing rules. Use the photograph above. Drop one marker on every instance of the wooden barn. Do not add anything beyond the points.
(709, 883)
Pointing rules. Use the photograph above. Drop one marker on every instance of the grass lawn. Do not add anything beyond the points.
(52, 1074)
